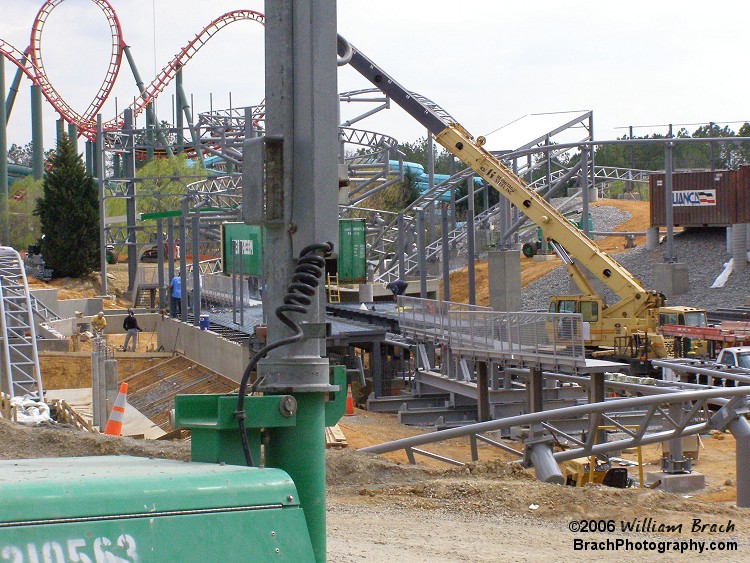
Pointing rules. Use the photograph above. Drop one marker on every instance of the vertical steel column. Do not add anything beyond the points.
(535, 390)
(150, 113)
(149, 133)
(632, 160)
(73, 134)
(160, 259)
(4, 217)
(446, 257)
(548, 163)
(470, 242)
(421, 251)
(669, 257)
(376, 368)
(171, 247)
(301, 108)
(130, 189)
(451, 172)
(13, 91)
(740, 429)
(676, 412)
(183, 258)
(179, 118)
(592, 152)
(195, 249)
(584, 190)
(483, 393)
(711, 146)
(90, 158)
(59, 129)
(102, 206)
(430, 209)
(401, 247)
(37, 133)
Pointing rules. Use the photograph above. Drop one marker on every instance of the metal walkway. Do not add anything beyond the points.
(20, 364)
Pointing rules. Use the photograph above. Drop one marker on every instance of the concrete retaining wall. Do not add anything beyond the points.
(203, 346)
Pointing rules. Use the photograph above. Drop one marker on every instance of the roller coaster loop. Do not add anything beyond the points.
(30, 61)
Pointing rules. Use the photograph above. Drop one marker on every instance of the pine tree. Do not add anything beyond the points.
(69, 214)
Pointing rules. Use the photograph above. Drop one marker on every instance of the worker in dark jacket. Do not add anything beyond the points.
(130, 324)
(397, 287)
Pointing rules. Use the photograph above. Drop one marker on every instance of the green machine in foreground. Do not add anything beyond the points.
(122, 508)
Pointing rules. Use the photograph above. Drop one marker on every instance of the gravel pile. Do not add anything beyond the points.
(704, 251)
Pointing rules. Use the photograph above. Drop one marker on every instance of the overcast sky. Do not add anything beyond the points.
(486, 62)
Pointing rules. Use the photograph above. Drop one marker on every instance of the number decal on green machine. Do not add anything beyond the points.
(104, 551)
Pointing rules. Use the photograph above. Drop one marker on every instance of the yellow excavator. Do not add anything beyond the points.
(627, 329)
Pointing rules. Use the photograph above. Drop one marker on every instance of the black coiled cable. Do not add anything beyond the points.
(305, 281)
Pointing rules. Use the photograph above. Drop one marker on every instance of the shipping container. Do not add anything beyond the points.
(699, 199)
(249, 244)
(351, 263)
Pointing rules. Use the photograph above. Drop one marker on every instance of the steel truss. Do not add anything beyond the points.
(20, 363)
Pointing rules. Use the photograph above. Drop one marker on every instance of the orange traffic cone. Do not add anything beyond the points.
(114, 424)
(349, 401)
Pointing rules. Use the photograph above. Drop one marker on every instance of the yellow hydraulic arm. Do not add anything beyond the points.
(454, 138)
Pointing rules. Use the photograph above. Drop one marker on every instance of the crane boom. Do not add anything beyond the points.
(454, 138)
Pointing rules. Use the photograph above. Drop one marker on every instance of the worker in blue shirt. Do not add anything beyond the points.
(175, 289)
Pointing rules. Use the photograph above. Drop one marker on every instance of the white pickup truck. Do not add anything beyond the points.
(738, 356)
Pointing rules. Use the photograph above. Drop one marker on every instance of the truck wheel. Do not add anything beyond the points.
(528, 249)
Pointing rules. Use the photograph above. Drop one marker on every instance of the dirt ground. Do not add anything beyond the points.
(532, 271)
(382, 509)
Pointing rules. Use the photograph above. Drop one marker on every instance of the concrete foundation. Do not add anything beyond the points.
(652, 238)
(544, 257)
(504, 280)
(677, 482)
(739, 247)
(218, 354)
(673, 278)
(366, 293)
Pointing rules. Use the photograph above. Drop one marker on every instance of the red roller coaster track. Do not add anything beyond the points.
(31, 63)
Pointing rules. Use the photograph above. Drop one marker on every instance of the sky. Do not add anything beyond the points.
(488, 63)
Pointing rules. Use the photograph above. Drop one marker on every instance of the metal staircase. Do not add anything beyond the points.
(20, 363)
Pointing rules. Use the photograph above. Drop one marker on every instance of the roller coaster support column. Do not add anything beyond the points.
(150, 114)
(4, 217)
(183, 257)
(584, 190)
(129, 172)
(669, 216)
(37, 133)
(179, 122)
(470, 241)
(102, 210)
(149, 133)
(446, 256)
(401, 244)
(73, 134)
(189, 118)
(421, 251)
(11, 99)
(59, 129)
(302, 106)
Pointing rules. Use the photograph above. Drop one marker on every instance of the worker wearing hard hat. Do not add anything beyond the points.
(99, 323)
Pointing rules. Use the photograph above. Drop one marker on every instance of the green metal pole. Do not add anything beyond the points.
(60, 129)
(13, 90)
(37, 133)
(300, 451)
(149, 108)
(179, 121)
(73, 134)
(4, 217)
(90, 165)
(149, 134)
